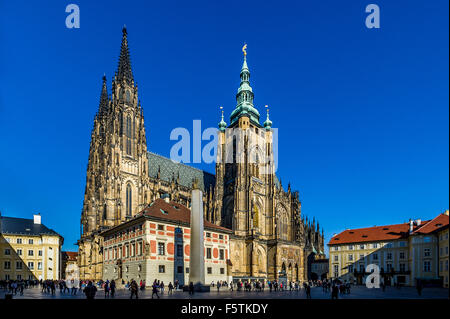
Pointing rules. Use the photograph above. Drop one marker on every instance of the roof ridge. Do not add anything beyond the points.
(428, 223)
(180, 163)
(362, 228)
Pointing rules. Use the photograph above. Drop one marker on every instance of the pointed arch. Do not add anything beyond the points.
(129, 201)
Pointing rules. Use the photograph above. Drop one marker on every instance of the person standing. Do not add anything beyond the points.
(419, 288)
(74, 288)
(112, 287)
(191, 288)
(308, 292)
(90, 291)
(170, 288)
(334, 292)
(107, 288)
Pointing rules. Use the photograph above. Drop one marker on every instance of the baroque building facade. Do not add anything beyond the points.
(270, 238)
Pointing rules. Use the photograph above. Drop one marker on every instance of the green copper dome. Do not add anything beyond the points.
(222, 124)
(268, 122)
(244, 99)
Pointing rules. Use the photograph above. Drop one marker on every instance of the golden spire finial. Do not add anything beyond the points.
(221, 108)
(244, 49)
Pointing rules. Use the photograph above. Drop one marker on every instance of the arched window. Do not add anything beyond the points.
(234, 149)
(128, 134)
(128, 201)
(128, 96)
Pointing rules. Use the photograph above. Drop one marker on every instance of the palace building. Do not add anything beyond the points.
(269, 239)
(405, 253)
(29, 250)
(155, 244)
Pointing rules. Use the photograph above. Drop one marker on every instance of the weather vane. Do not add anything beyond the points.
(244, 49)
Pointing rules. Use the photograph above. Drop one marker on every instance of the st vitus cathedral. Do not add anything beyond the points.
(271, 239)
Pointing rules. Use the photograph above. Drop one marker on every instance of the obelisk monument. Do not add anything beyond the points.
(197, 256)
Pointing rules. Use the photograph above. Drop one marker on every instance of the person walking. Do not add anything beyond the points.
(170, 288)
(133, 289)
(90, 291)
(155, 289)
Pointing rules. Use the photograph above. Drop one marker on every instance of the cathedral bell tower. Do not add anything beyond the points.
(117, 182)
(244, 169)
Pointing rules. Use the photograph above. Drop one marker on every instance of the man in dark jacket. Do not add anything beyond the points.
(334, 292)
(90, 290)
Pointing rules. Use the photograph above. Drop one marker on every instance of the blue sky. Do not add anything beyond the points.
(362, 113)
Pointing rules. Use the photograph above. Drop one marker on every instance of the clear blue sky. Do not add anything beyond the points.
(363, 115)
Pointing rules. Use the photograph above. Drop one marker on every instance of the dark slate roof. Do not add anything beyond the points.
(169, 169)
(22, 226)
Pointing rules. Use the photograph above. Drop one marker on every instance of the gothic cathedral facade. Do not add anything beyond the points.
(271, 239)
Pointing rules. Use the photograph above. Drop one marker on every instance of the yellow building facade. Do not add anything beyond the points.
(29, 250)
(443, 254)
(405, 254)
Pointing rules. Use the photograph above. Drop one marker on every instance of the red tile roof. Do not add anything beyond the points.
(436, 224)
(174, 212)
(70, 255)
(388, 232)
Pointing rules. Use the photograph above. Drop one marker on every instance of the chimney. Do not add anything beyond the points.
(411, 226)
(418, 222)
(37, 218)
(166, 197)
(446, 212)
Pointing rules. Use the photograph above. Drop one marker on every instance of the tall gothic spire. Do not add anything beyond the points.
(103, 106)
(244, 96)
(124, 70)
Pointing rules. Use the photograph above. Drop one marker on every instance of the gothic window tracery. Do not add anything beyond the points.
(128, 134)
(128, 201)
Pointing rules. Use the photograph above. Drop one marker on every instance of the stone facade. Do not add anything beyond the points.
(270, 237)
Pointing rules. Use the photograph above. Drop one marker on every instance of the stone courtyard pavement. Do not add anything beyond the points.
(357, 292)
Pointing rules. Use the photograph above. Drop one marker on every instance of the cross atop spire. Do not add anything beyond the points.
(124, 70)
